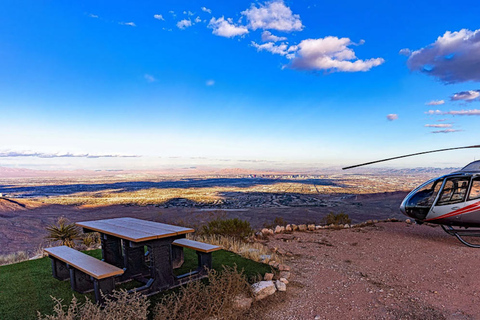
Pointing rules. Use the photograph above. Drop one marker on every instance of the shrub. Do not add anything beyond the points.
(212, 300)
(234, 228)
(337, 219)
(64, 232)
(13, 258)
(91, 239)
(120, 306)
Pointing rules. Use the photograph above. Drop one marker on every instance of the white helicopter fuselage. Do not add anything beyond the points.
(452, 199)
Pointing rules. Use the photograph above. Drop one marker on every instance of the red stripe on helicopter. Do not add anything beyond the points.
(467, 209)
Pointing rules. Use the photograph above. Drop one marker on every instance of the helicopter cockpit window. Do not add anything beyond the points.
(454, 191)
(475, 190)
(426, 195)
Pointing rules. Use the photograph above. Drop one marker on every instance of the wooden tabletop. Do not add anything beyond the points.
(132, 229)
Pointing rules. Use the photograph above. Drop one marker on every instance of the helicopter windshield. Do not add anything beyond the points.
(418, 203)
(425, 196)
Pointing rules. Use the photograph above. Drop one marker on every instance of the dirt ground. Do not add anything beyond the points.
(387, 271)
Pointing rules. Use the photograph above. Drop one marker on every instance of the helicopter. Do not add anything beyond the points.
(451, 200)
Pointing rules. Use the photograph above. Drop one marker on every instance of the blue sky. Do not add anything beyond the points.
(273, 84)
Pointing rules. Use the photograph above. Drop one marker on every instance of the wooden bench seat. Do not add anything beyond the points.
(204, 254)
(85, 272)
(196, 245)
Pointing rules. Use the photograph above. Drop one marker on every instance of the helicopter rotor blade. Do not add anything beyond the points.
(409, 155)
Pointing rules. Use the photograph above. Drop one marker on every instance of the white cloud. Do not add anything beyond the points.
(468, 96)
(447, 131)
(183, 24)
(474, 112)
(281, 49)
(149, 78)
(210, 83)
(452, 58)
(443, 125)
(330, 54)
(405, 52)
(225, 28)
(197, 20)
(158, 17)
(12, 154)
(206, 10)
(435, 102)
(130, 24)
(91, 15)
(392, 116)
(273, 15)
(267, 36)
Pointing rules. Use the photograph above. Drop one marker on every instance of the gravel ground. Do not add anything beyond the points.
(387, 271)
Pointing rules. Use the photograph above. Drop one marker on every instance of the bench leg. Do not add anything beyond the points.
(80, 281)
(105, 286)
(59, 269)
(204, 262)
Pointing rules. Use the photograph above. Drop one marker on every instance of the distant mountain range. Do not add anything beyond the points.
(7, 172)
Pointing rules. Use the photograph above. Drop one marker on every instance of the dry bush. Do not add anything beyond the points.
(13, 258)
(91, 239)
(251, 250)
(120, 306)
(337, 219)
(200, 301)
(64, 232)
(234, 228)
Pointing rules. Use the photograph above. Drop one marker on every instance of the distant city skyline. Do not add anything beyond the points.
(251, 84)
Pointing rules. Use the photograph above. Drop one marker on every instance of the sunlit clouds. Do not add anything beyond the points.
(452, 58)
(226, 28)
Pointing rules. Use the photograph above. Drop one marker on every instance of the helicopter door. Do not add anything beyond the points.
(451, 200)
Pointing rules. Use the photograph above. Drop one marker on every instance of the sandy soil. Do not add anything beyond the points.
(387, 271)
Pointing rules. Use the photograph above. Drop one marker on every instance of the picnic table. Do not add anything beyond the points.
(132, 249)
(143, 249)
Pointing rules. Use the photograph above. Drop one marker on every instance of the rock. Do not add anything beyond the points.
(280, 286)
(375, 221)
(283, 267)
(294, 227)
(318, 227)
(263, 289)
(284, 280)
(268, 276)
(266, 231)
(279, 229)
(285, 274)
(302, 227)
(346, 226)
(311, 227)
(288, 228)
(242, 302)
(408, 221)
(264, 257)
(272, 262)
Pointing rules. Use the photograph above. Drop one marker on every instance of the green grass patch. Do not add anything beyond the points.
(27, 287)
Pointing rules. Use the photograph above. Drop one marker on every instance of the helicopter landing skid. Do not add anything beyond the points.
(458, 233)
